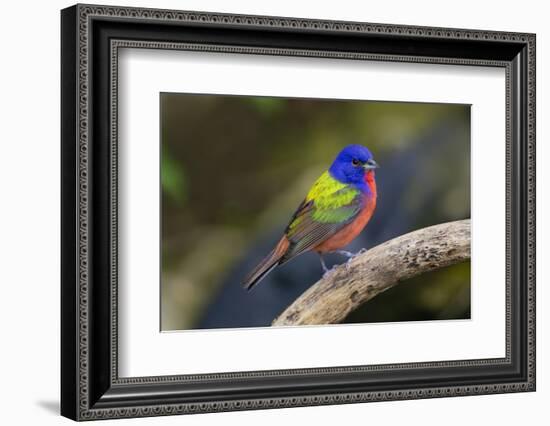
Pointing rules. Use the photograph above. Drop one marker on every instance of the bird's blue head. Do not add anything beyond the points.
(352, 164)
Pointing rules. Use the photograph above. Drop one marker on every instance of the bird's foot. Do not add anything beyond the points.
(349, 254)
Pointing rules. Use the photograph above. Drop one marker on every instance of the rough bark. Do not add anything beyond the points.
(348, 286)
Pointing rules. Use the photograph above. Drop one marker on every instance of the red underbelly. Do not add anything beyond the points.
(348, 233)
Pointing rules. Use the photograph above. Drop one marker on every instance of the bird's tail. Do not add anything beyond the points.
(267, 264)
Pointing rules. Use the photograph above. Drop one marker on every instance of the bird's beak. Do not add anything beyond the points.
(371, 165)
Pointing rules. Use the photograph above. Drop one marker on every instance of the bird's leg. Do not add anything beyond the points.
(323, 264)
(348, 254)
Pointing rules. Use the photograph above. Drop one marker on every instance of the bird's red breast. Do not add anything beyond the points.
(348, 233)
(369, 179)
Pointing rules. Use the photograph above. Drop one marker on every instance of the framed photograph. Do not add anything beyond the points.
(263, 212)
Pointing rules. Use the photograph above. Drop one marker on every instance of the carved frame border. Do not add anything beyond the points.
(82, 407)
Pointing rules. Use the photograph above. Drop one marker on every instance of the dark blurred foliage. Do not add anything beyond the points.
(235, 168)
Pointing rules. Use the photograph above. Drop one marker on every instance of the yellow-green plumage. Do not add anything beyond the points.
(334, 201)
(323, 188)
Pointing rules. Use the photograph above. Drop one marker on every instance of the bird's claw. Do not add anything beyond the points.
(345, 253)
(349, 254)
(363, 250)
(347, 264)
(354, 255)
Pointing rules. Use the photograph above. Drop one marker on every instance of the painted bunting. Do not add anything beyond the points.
(336, 209)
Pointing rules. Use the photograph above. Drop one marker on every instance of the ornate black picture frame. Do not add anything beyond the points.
(91, 36)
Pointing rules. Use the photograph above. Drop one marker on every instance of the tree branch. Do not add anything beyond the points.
(348, 286)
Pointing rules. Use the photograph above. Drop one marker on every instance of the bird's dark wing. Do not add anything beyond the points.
(318, 219)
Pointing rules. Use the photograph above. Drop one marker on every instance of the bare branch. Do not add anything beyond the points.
(348, 286)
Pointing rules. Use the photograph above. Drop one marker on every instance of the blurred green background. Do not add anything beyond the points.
(234, 169)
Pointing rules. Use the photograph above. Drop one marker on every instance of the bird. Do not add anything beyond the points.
(336, 209)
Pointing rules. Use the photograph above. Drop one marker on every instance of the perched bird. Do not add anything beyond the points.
(336, 209)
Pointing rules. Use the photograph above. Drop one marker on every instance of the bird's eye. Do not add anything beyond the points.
(355, 162)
